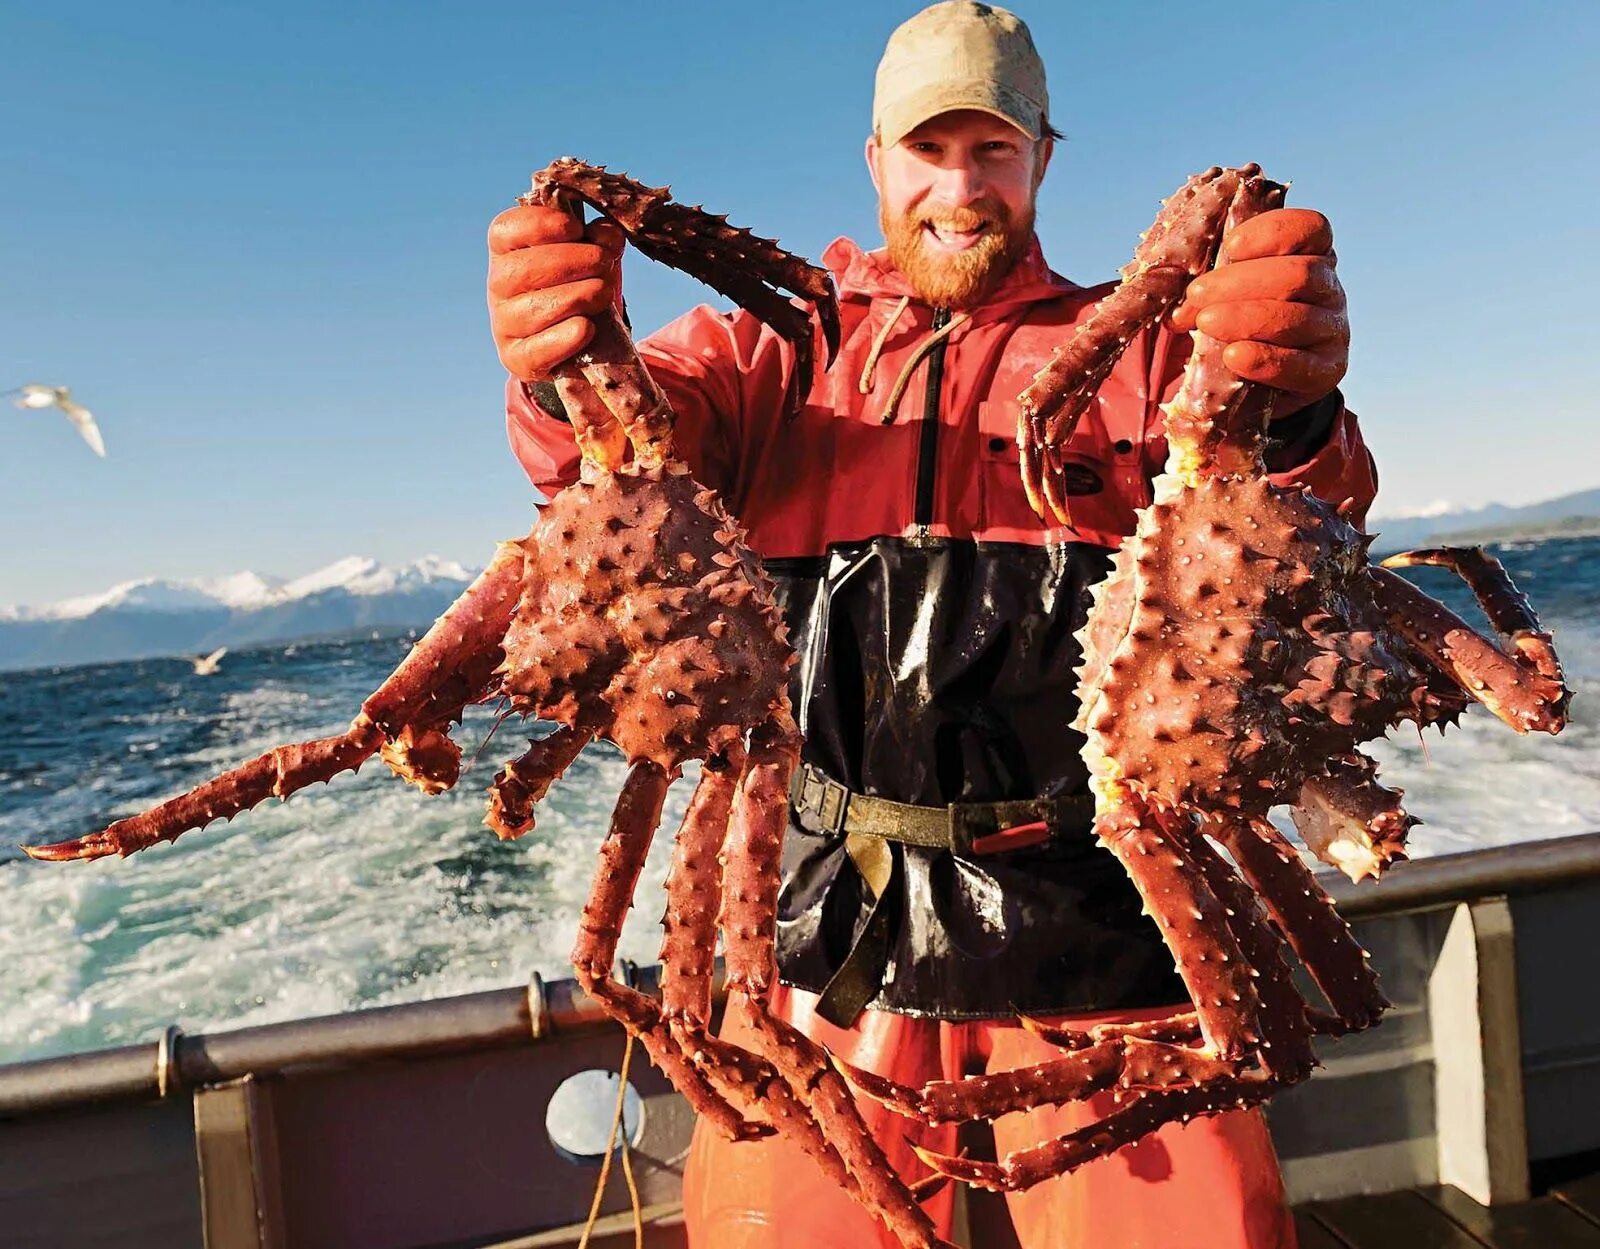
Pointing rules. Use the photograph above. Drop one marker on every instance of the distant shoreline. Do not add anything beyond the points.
(1530, 531)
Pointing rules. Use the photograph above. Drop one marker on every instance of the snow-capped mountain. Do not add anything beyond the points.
(153, 616)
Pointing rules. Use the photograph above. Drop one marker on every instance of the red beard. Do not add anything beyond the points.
(956, 279)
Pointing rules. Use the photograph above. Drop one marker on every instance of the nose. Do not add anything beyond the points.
(960, 182)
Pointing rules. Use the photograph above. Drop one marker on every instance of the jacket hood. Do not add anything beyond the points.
(868, 275)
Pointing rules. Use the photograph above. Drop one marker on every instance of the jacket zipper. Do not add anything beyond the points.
(928, 443)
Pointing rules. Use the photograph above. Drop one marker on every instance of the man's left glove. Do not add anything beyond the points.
(1278, 305)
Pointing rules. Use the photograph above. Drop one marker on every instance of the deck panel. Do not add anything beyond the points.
(1391, 1221)
(1543, 1223)
(1582, 1195)
(1313, 1235)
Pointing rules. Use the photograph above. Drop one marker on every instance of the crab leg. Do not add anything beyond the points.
(522, 784)
(1216, 424)
(602, 442)
(1515, 687)
(1285, 1031)
(1082, 1073)
(750, 901)
(688, 959)
(743, 266)
(694, 890)
(451, 666)
(1141, 1055)
(1192, 921)
(1179, 246)
(1139, 1115)
(1510, 614)
(1307, 918)
(1351, 822)
(622, 856)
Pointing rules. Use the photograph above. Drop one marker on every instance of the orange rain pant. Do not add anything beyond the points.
(1210, 1184)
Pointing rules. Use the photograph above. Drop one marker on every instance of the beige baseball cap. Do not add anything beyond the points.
(959, 54)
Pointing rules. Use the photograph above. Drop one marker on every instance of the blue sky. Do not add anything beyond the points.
(250, 236)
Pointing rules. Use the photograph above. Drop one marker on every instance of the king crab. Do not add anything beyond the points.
(632, 612)
(1237, 655)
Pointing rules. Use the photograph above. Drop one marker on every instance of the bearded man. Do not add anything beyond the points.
(934, 614)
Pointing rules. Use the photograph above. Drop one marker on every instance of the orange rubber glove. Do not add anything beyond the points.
(548, 276)
(1277, 304)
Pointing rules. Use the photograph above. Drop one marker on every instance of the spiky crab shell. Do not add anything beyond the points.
(1234, 650)
(645, 618)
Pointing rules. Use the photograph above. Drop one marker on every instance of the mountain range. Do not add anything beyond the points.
(1442, 523)
(151, 616)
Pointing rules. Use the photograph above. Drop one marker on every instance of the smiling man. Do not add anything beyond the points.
(940, 877)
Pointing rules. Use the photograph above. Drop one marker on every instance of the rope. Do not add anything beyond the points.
(870, 367)
(892, 408)
(627, 1162)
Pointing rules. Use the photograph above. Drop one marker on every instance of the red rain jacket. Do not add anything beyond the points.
(934, 611)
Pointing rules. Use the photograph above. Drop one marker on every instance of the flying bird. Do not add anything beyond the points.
(34, 395)
(205, 665)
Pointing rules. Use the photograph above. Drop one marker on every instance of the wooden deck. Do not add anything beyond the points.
(1567, 1216)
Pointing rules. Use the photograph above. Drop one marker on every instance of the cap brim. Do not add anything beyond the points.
(985, 95)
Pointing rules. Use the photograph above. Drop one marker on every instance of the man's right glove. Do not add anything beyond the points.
(548, 276)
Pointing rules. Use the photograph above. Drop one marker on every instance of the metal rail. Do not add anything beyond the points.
(507, 1017)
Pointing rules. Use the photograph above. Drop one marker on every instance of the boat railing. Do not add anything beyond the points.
(388, 1126)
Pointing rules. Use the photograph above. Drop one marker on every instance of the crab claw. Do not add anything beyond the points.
(897, 1097)
(990, 1175)
(1051, 1034)
(94, 846)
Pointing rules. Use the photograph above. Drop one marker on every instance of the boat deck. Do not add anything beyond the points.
(1442, 1217)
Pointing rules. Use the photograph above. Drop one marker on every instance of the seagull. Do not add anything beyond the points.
(205, 665)
(34, 395)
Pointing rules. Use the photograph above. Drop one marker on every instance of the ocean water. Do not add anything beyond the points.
(364, 892)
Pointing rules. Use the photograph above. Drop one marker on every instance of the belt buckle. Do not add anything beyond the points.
(975, 832)
(823, 797)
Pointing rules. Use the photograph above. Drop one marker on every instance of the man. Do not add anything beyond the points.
(934, 614)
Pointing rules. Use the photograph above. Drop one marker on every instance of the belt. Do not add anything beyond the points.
(868, 824)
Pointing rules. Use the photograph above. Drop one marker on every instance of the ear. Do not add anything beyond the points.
(1042, 155)
(874, 154)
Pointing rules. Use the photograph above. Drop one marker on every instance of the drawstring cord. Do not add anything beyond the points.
(867, 370)
(928, 344)
(627, 1163)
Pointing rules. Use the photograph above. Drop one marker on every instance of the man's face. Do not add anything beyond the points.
(955, 200)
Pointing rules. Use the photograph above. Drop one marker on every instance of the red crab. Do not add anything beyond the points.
(633, 612)
(1236, 656)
